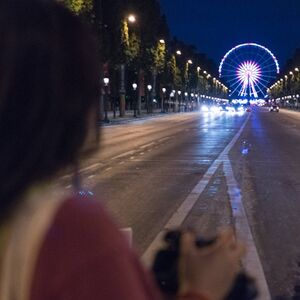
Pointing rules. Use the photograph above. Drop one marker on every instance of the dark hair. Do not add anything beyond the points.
(49, 81)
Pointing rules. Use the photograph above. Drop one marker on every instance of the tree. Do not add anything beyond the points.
(79, 6)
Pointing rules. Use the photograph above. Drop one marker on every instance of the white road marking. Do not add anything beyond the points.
(90, 167)
(164, 139)
(147, 145)
(251, 261)
(107, 169)
(123, 154)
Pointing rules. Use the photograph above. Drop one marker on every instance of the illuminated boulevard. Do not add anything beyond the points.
(147, 169)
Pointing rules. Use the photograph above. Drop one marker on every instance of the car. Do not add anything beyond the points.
(274, 108)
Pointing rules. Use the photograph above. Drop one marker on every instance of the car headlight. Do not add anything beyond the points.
(204, 108)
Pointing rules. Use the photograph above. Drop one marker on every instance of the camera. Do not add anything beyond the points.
(165, 269)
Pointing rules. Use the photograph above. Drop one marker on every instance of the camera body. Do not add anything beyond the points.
(165, 269)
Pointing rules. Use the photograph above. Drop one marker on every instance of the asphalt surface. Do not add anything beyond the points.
(145, 169)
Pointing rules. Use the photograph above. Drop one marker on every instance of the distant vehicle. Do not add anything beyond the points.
(274, 108)
(223, 107)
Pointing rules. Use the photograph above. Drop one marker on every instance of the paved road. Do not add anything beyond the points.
(147, 169)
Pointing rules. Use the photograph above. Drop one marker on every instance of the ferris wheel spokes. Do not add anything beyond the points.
(248, 69)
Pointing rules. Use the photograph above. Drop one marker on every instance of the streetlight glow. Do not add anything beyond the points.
(132, 18)
(178, 52)
(164, 90)
(297, 69)
(106, 80)
(162, 41)
(190, 62)
(149, 87)
(134, 86)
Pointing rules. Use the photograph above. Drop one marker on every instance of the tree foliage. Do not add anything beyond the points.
(79, 6)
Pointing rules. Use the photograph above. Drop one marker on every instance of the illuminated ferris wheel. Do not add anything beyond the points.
(248, 70)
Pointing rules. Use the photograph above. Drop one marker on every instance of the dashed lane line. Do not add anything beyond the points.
(147, 145)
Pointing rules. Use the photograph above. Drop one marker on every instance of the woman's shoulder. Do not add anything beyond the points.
(85, 256)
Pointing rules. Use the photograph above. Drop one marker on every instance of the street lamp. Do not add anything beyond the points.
(162, 41)
(149, 104)
(178, 52)
(106, 83)
(163, 100)
(132, 18)
(190, 62)
(134, 86)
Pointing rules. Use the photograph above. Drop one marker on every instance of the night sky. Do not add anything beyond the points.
(215, 26)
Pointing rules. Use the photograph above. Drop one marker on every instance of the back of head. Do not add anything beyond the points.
(48, 89)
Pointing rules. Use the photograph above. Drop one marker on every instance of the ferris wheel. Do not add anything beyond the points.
(248, 70)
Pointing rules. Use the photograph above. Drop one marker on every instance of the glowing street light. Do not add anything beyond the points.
(190, 62)
(132, 18)
(291, 73)
(179, 93)
(149, 87)
(162, 41)
(297, 69)
(106, 81)
(134, 86)
(198, 69)
(163, 100)
(178, 52)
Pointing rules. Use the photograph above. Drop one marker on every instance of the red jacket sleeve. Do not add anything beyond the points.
(84, 256)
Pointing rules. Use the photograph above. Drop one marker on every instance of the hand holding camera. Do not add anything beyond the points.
(207, 267)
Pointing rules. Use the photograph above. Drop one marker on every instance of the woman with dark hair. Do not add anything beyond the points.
(53, 245)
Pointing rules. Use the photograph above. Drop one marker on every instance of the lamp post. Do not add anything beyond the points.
(163, 100)
(106, 83)
(149, 104)
(129, 19)
(134, 86)
(179, 99)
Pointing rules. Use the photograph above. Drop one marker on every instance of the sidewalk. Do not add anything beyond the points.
(129, 117)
